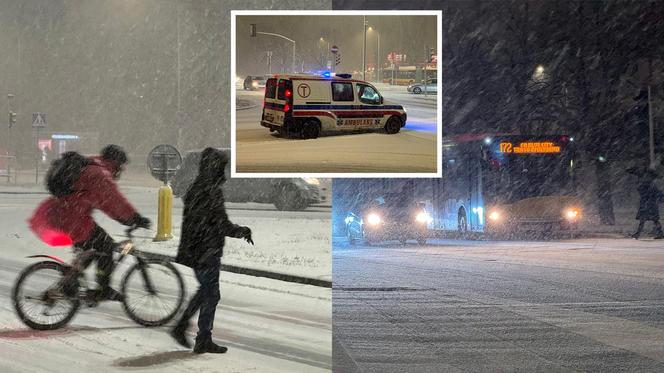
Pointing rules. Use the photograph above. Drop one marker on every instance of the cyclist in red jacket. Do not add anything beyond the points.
(95, 189)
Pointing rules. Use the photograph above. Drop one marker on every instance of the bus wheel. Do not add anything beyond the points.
(393, 125)
(310, 129)
(417, 90)
(462, 222)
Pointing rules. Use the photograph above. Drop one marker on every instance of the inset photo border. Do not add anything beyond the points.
(341, 114)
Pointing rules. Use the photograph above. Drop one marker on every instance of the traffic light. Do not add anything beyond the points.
(12, 119)
(252, 30)
(430, 53)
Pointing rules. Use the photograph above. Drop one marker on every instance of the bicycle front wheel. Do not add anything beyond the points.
(153, 292)
(39, 296)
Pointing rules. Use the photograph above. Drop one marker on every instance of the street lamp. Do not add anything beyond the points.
(254, 32)
(377, 53)
(327, 53)
(539, 71)
(364, 49)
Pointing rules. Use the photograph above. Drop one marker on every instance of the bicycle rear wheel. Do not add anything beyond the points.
(153, 292)
(39, 298)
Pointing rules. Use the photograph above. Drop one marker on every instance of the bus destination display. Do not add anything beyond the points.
(529, 147)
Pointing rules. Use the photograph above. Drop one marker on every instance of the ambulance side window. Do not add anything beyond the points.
(367, 94)
(342, 92)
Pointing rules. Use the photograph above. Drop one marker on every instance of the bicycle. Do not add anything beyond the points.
(65, 290)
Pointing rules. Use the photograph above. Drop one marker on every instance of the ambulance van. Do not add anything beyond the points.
(307, 105)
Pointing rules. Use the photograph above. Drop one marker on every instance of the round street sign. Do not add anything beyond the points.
(334, 49)
(163, 162)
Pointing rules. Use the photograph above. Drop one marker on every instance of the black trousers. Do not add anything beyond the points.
(642, 222)
(103, 243)
(206, 298)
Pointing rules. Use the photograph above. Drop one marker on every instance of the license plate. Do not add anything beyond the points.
(269, 117)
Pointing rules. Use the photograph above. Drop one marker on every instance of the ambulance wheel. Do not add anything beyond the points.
(417, 90)
(393, 125)
(282, 132)
(310, 129)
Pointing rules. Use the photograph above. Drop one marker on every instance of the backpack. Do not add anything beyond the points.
(64, 172)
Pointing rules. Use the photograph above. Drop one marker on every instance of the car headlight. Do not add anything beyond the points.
(373, 219)
(423, 217)
(311, 180)
(572, 213)
(255, 84)
(494, 216)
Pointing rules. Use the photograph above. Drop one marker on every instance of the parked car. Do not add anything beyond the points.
(253, 82)
(391, 217)
(286, 194)
(418, 88)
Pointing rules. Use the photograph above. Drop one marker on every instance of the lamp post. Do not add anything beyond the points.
(377, 69)
(327, 53)
(364, 48)
(285, 38)
(253, 34)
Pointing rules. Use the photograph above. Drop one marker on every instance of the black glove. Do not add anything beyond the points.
(139, 221)
(245, 233)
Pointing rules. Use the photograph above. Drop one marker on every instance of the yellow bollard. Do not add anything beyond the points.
(164, 214)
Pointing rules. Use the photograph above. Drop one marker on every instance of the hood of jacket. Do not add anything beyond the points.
(212, 165)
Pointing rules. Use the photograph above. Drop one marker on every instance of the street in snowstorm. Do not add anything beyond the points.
(499, 306)
(362, 91)
(266, 323)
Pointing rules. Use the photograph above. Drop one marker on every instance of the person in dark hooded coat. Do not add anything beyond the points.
(205, 225)
(649, 197)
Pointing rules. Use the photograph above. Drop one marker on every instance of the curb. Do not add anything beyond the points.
(252, 272)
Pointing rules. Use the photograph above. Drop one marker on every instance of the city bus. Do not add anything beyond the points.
(407, 75)
(506, 184)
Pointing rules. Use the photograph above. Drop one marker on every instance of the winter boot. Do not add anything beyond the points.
(178, 333)
(206, 345)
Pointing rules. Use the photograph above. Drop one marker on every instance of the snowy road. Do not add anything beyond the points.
(268, 325)
(411, 150)
(458, 306)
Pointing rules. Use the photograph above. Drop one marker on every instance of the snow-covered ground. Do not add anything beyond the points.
(411, 150)
(268, 325)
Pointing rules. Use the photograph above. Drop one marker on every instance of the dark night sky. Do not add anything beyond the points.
(407, 34)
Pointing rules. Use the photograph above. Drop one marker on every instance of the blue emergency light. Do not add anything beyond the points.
(327, 74)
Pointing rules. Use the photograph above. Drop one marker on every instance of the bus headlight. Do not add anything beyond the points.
(495, 216)
(572, 214)
(373, 219)
(423, 217)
